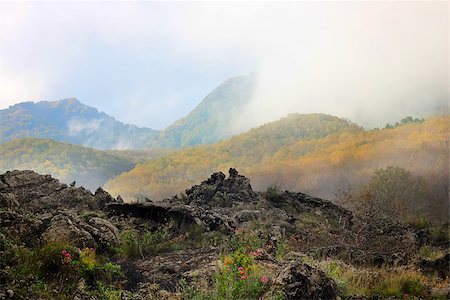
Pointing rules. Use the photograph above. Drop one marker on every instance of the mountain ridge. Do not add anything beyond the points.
(69, 120)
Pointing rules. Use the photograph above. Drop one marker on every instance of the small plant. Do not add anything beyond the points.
(281, 251)
(239, 277)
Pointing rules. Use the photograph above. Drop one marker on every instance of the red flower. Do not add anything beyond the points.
(405, 295)
(243, 277)
(241, 269)
(264, 279)
(64, 252)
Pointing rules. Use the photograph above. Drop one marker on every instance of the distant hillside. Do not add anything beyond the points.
(165, 176)
(209, 121)
(314, 153)
(90, 168)
(68, 120)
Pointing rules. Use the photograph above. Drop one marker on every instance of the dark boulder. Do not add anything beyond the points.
(301, 281)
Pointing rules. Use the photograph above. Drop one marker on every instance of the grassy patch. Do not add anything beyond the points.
(431, 253)
(135, 244)
(400, 282)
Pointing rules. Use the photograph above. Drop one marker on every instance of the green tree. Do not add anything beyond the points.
(391, 192)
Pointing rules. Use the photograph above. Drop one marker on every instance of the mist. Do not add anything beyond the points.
(370, 62)
(149, 63)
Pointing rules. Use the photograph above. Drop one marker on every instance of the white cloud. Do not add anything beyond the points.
(77, 126)
(369, 61)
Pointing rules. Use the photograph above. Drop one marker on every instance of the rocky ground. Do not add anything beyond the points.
(219, 240)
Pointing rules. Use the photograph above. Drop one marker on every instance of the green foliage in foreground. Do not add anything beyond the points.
(58, 270)
(238, 277)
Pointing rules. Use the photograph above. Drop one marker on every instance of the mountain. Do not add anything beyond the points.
(89, 167)
(161, 177)
(207, 123)
(69, 120)
(318, 154)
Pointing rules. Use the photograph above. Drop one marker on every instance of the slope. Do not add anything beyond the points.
(207, 123)
(90, 168)
(164, 176)
(317, 154)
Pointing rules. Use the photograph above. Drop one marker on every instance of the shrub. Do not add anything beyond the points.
(249, 241)
(272, 192)
(57, 267)
(239, 278)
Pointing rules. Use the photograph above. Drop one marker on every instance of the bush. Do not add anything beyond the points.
(272, 192)
(239, 278)
(57, 267)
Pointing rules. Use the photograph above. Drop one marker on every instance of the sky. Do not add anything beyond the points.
(150, 63)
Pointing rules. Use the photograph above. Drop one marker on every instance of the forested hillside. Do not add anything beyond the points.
(90, 168)
(160, 177)
(69, 120)
(208, 122)
(317, 154)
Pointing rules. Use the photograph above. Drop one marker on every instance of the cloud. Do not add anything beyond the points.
(76, 126)
(370, 61)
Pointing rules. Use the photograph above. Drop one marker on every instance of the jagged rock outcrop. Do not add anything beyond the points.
(302, 282)
(67, 226)
(40, 208)
(221, 203)
(35, 209)
(218, 191)
(301, 203)
(29, 192)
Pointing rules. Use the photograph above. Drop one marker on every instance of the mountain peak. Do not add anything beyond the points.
(69, 120)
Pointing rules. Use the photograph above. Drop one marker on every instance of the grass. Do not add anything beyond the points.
(430, 253)
(134, 244)
(399, 282)
(406, 284)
